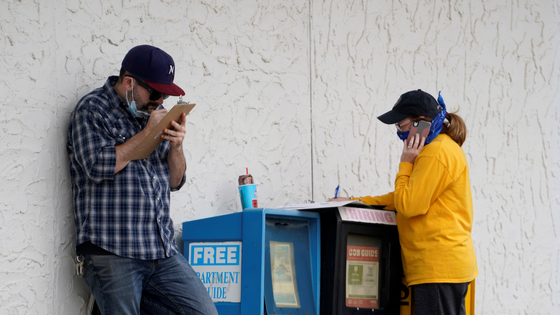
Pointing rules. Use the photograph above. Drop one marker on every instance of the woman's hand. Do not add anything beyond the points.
(339, 199)
(412, 148)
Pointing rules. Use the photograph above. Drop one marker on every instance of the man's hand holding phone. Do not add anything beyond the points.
(415, 141)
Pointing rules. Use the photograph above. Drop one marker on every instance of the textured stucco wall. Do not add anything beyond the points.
(554, 167)
(291, 90)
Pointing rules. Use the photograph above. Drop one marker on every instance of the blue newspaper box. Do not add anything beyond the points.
(259, 261)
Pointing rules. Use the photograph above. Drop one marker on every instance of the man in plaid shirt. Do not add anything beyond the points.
(124, 232)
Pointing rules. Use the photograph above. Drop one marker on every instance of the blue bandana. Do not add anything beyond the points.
(437, 123)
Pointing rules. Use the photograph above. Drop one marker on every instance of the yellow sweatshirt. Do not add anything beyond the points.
(434, 214)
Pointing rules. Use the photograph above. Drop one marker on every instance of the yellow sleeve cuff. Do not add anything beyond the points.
(405, 167)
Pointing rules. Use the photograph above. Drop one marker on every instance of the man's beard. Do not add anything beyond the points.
(145, 108)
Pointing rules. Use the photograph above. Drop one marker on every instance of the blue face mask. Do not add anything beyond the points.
(132, 107)
(403, 135)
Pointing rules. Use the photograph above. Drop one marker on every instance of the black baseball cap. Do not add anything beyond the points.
(153, 66)
(412, 103)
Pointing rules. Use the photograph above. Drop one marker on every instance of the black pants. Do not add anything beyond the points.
(440, 298)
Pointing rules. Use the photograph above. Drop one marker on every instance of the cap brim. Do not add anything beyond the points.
(392, 117)
(169, 89)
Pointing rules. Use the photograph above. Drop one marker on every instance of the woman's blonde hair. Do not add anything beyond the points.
(455, 128)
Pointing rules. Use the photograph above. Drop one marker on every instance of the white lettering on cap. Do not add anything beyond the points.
(170, 69)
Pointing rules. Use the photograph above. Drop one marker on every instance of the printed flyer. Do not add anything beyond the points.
(362, 277)
(284, 285)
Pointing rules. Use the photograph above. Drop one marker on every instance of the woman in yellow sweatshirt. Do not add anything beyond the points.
(434, 206)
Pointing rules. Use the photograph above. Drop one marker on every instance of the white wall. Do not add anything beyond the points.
(554, 167)
(290, 89)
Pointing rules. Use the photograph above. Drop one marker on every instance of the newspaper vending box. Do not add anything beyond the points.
(259, 261)
(361, 269)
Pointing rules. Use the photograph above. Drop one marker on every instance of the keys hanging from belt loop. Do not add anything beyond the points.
(80, 266)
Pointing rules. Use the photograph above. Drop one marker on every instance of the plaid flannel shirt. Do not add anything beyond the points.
(125, 213)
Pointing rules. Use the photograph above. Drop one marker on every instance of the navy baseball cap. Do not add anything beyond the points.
(153, 66)
(413, 103)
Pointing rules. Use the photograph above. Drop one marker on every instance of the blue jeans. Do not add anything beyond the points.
(132, 287)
